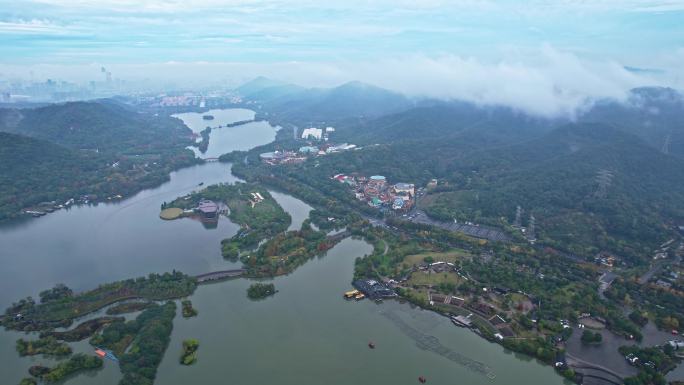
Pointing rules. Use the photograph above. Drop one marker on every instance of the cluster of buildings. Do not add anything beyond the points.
(281, 157)
(326, 149)
(255, 199)
(379, 194)
(304, 152)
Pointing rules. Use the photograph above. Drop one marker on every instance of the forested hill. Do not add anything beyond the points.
(654, 114)
(293, 104)
(102, 125)
(448, 120)
(35, 170)
(591, 188)
(94, 149)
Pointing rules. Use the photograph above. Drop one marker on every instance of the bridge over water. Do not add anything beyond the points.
(217, 275)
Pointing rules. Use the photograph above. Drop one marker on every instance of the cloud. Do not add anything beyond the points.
(34, 26)
(546, 81)
(556, 83)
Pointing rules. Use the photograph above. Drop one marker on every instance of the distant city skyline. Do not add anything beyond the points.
(564, 50)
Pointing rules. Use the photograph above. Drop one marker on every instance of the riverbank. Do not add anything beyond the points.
(515, 329)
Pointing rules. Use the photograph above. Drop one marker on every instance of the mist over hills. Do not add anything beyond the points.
(612, 178)
(369, 114)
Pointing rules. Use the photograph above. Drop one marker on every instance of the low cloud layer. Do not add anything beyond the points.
(543, 81)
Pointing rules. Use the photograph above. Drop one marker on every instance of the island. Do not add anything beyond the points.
(260, 290)
(189, 355)
(83, 330)
(251, 206)
(48, 346)
(139, 344)
(77, 363)
(59, 306)
(187, 309)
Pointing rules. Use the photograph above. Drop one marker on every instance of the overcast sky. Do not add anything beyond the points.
(479, 50)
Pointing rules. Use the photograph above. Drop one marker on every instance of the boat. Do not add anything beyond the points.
(208, 117)
(106, 353)
(371, 345)
(351, 294)
(422, 380)
(359, 296)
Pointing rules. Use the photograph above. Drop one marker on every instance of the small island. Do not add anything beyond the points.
(46, 346)
(58, 307)
(83, 330)
(189, 356)
(140, 343)
(261, 290)
(187, 309)
(77, 363)
(251, 206)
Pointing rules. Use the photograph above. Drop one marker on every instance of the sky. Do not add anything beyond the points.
(506, 51)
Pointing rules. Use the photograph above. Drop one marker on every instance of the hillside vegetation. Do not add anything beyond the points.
(94, 149)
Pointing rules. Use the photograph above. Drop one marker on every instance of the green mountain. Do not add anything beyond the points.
(103, 125)
(654, 114)
(36, 171)
(100, 149)
(590, 187)
(260, 84)
(300, 106)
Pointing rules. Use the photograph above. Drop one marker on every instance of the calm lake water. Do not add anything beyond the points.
(195, 120)
(242, 137)
(305, 334)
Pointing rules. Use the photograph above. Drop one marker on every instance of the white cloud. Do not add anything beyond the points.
(34, 26)
(553, 83)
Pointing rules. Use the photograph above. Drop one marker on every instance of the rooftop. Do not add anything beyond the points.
(207, 207)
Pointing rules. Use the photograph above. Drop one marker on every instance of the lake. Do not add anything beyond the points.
(306, 334)
(241, 137)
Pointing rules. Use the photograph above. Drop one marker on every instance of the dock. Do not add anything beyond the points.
(462, 321)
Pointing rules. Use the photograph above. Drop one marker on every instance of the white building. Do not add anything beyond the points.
(313, 132)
